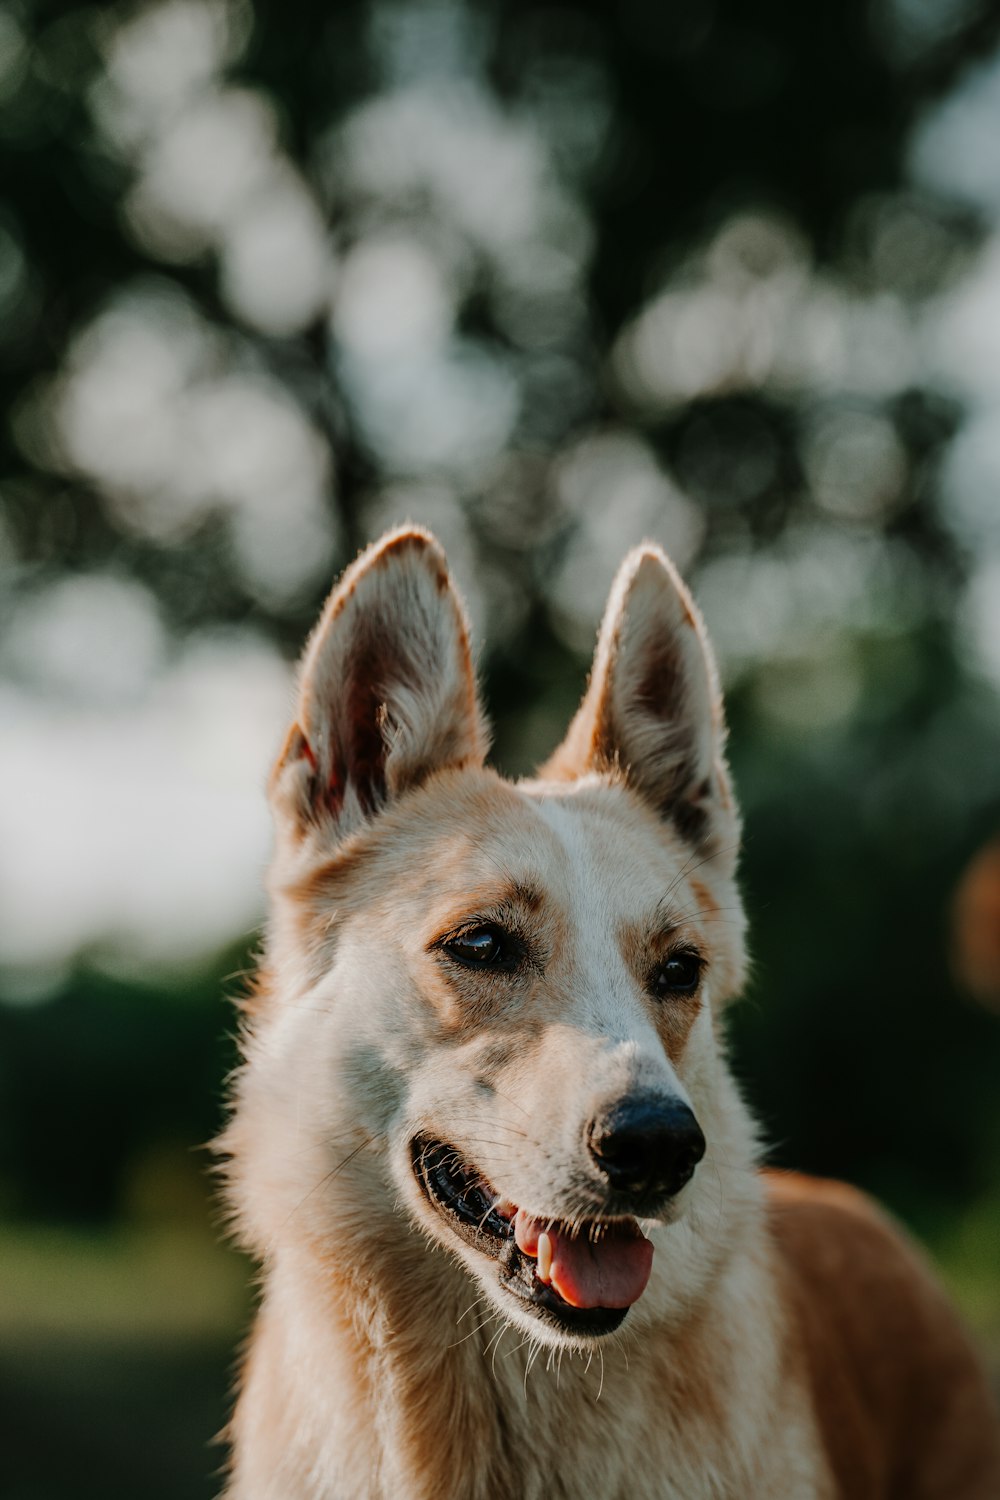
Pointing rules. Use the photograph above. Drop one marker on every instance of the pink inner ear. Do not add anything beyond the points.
(334, 794)
(301, 749)
(357, 747)
(335, 791)
(364, 747)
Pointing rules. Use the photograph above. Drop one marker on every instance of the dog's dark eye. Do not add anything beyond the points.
(482, 948)
(680, 974)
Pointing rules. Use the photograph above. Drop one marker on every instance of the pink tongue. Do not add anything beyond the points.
(611, 1273)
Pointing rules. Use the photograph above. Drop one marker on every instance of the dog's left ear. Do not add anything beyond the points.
(387, 692)
(653, 710)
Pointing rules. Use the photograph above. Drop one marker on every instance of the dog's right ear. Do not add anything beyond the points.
(652, 712)
(387, 692)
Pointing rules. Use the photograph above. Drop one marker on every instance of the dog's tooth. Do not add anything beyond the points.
(543, 1265)
(504, 1207)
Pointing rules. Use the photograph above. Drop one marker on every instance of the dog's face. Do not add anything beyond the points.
(494, 1005)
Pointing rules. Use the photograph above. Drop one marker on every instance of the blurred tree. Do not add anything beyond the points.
(549, 279)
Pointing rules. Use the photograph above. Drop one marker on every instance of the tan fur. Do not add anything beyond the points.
(903, 1406)
(785, 1334)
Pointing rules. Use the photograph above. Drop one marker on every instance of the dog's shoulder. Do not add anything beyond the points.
(902, 1402)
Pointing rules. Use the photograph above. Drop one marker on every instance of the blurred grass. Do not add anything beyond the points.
(117, 1353)
(133, 1285)
(969, 1259)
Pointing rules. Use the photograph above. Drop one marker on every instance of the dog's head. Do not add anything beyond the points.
(489, 1010)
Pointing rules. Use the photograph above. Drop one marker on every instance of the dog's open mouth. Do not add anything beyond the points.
(581, 1278)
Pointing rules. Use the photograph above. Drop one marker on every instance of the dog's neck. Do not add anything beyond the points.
(394, 1379)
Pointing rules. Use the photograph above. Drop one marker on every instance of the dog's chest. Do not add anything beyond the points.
(542, 1441)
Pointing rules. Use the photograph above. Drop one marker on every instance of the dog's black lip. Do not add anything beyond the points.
(465, 1200)
(461, 1193)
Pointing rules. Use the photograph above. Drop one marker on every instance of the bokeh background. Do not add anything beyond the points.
(548, 278)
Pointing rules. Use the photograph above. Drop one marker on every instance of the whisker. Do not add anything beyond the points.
(493, 1362)
(519, 1346)
(473, 1331)
(533, 1355)
(501, 1095)
(328, 1177)
(484, 1140)
(688, 868)
(469, 1309)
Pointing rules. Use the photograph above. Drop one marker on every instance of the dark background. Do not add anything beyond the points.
(547, 278)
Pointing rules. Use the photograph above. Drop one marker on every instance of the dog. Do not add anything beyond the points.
(485, 1143)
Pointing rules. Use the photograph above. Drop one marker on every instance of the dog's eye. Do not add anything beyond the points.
(482, 948)
(680, 974)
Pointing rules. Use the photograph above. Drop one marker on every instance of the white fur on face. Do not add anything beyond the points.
(387, 1046)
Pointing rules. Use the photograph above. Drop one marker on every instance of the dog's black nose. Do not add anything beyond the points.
(647, 1146)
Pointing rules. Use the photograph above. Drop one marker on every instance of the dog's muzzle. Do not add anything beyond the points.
(580, 1277)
